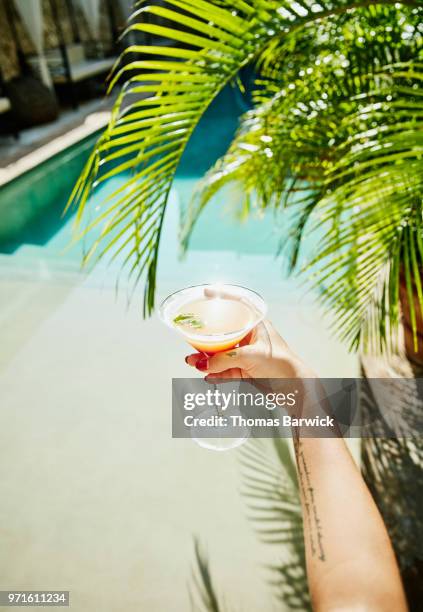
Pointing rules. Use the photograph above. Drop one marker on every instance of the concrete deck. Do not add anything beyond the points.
(96, 496)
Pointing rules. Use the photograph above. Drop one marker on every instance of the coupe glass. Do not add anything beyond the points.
(211, 343)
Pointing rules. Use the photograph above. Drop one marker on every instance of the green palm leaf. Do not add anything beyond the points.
(159, 105)
(147, 137)
(374, 192)
(344, 150)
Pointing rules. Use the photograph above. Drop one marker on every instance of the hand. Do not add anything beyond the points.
(261, 354)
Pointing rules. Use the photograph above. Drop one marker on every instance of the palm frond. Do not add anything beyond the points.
(157, 110)
(304, 86)
(372, 213)
(165, 94)
(346, 150)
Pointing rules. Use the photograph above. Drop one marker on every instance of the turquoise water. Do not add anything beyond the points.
(31, 207)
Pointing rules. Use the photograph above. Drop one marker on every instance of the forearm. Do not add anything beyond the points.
(350, 562)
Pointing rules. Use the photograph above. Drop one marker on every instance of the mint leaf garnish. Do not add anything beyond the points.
(188, 319)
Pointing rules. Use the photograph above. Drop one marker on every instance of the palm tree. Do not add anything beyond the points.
(335, 134)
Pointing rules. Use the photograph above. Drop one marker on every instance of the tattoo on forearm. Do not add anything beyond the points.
(311, 515)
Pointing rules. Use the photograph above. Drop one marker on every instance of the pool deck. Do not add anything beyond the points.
(37, 144)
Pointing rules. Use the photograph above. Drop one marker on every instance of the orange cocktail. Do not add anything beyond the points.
(213, 318)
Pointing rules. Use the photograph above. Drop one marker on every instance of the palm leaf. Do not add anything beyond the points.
(347, 151)
(162, 100)
(374, 191)
(147, 136)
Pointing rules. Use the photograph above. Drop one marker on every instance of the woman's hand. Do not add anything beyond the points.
(261, 354)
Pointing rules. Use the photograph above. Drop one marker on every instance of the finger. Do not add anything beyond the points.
(232, 373)
(193, 359)
(248, 338)
(234, 358)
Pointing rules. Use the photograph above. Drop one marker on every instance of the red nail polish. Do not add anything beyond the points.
(202, 364)
(186, 359)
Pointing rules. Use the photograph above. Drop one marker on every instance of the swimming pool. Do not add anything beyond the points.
(31, 206)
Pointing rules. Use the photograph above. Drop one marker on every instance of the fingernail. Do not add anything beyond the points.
(202, 364)
(186, 359)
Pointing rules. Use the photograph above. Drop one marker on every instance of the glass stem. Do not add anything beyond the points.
(214, 385)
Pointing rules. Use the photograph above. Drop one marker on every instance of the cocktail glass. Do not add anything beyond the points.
(228, 336)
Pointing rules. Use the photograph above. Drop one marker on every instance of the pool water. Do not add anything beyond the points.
(31, 207)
